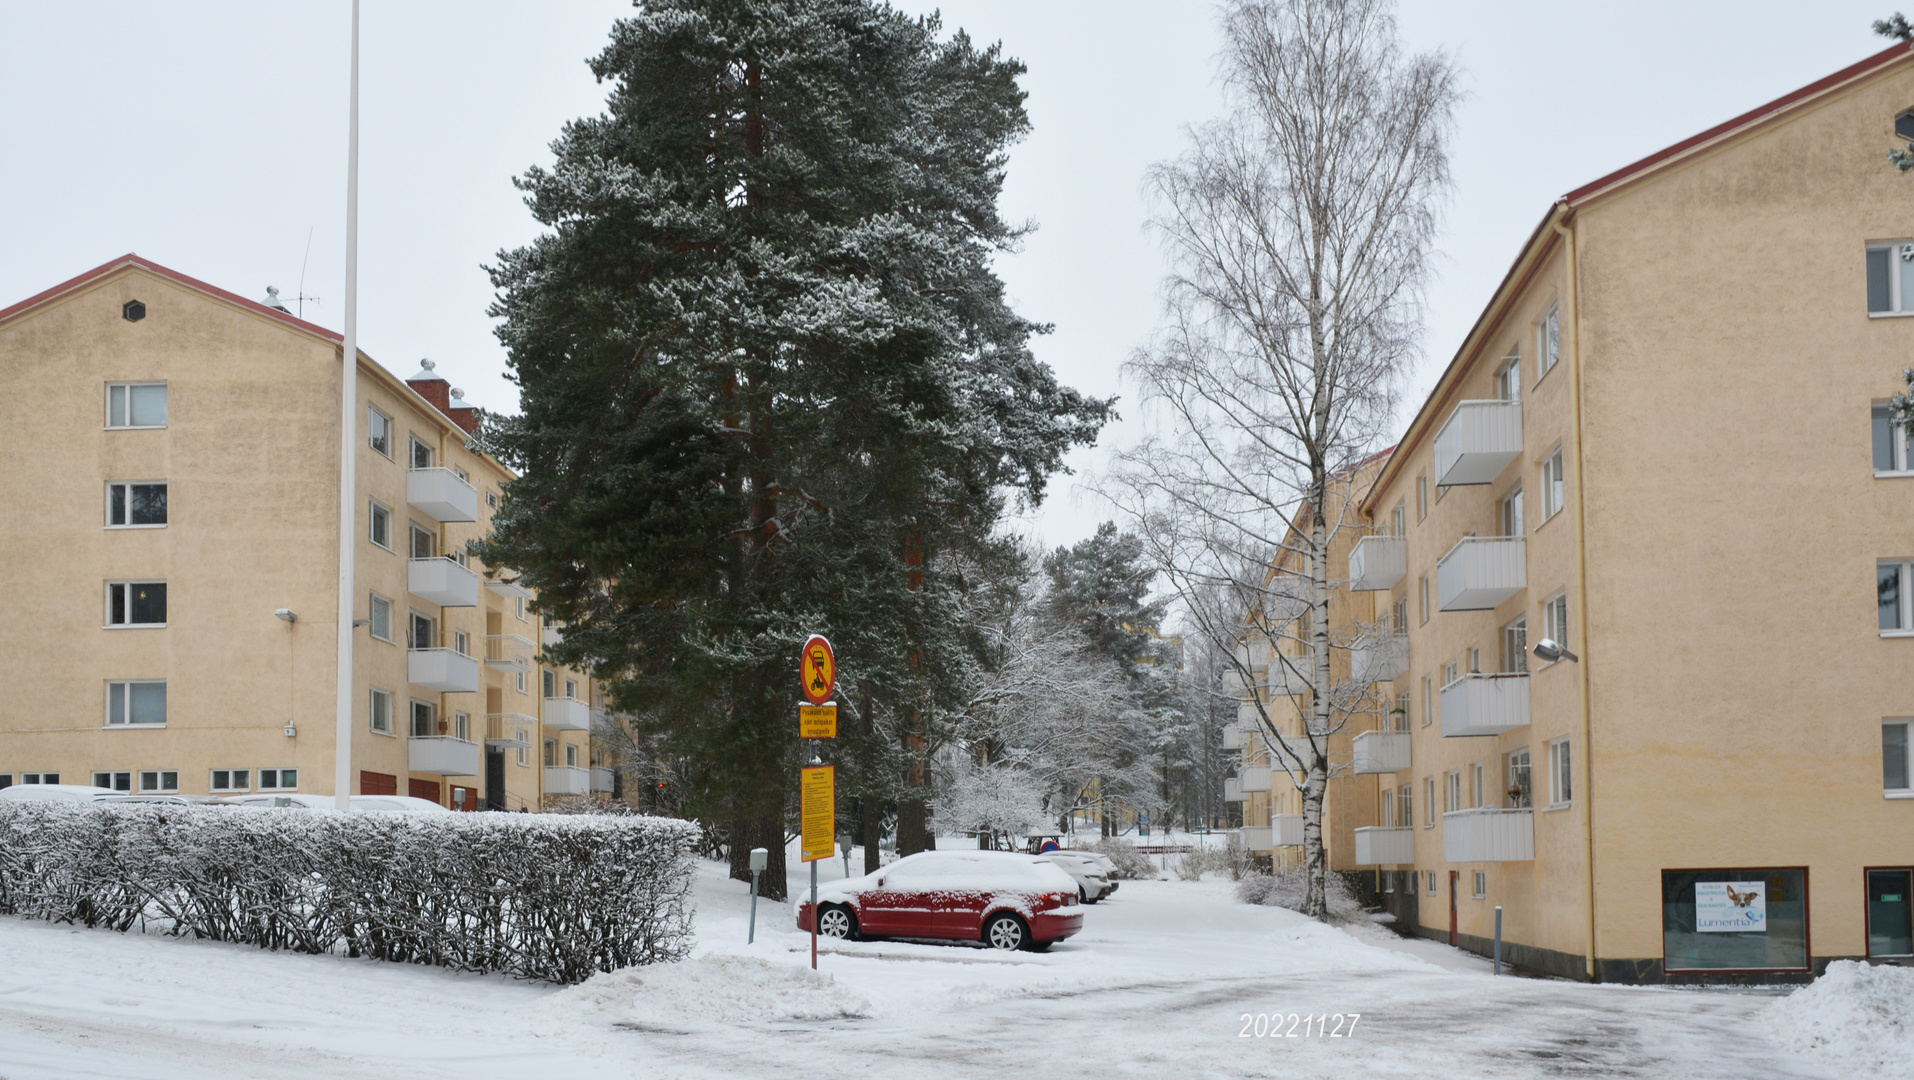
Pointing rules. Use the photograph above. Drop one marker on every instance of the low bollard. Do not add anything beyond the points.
(759, 857)
(1498, 939)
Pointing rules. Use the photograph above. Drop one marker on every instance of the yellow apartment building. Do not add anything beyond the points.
(1663, 446)
(173, 461)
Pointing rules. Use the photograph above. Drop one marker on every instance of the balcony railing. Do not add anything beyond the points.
(442, 581)
(444, 755)
(1378, 562)
(441, 494)
(1488, 835)
(1382, 751)
(510, 730)
(508, 588)
(567, 780)
(1478, 704)
(509, 652)
(1480, 572)
(1253, 654)
(550, 636)
(567, 714)
(446, 670)
(1236, 737)
(1480, 439)
(1255, 838)
(1286, 830)
(602, 780)
(1288, 677)
(1385, 847)
(1379, 658)
(1233, 790)
(1253, 778)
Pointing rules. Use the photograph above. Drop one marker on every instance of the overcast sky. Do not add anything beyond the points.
(211, 138)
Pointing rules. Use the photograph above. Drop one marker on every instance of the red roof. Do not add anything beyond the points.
(104, 269)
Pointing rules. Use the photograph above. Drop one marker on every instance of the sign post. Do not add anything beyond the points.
(817, 787)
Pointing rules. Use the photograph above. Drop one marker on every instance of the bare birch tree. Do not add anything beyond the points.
(1299, 228)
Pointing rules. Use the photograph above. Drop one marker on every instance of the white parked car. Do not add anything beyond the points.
(1093, 882)
(376, 804)
(74, 793)
(1107, 863)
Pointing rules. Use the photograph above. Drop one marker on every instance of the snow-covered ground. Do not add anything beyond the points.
(1156, 985)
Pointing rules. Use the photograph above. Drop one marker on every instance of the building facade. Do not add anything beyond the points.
(175, 467)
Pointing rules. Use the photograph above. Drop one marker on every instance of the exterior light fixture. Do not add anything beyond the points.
(287, 614)
(1550, 652)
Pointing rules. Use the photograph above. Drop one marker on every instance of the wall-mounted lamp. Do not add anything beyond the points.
(1550, 652)
(287, 614)
(362, 622)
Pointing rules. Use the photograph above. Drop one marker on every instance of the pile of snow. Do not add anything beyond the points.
(716, 989)
(1855, 1019)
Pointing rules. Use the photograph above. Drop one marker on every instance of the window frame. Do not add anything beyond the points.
(1548, 341)
(1556, 602)
(1867, 906)
(1907, 757)
(113, 778)
(1554, 484)
(413, 533)
(1429, 802)
(1481, 884)
(128, 486)
(129, 387)
(413, 446)
(1422, 497)
(244, 776)
(1430, 875)
(1900, 454)
(1508, 378)
(1518, 765)
(1745, 872)
(374, 695)
(1422, 596)
(1515, 658)
(1904, 569)
(126, 703)
(1561, 774)
(373, 414)
(1509, 508)
(165, 781)
(373, 600)
(279, 779)
(1428, 700)
(1896, 296)
(1452, 794)
(127, 605)
(377, 513)
(430, 711)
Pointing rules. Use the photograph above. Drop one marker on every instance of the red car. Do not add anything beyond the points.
(1005, 900)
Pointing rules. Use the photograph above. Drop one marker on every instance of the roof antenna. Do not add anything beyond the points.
(273, 299)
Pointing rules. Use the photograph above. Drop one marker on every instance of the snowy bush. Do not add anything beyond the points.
(541, 896)
(1130, 863)
(1288, 888)
(1194, 863)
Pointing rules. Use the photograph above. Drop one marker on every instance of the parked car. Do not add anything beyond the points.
(170, 799)
(76, 793)
(1107, 863)
(1093, 883)
(1004, 899)
(377, 804)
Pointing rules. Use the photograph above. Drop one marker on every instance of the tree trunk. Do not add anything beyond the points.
(870, 829)
(768, 833)
(913, 827)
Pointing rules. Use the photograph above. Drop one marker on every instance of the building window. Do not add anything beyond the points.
(1430, 875)
(551, 683)
(40, 778)
(1890, 443)
(1399, 521)
(1512, 513)
(162, 780)
(424, 719)
(1422, 593)
(1548, 341)
(1552, 485)
(113, 781)
(1388, 809)
(1422, 496)
(1894, 763)
(551, 753)
(1519, 792)
(1890, 929)
(423, 633)
(571, 689)
(1402, 711)
(136, 405)
(1892, 581)
(136, 702)
(518, 607)
(381, 617)
(379, 431)
(571, 756)
(1890, 281)
(424, 542)
(1560, 792)
(135, 506)
(421, 454)
(1735, 920)
(278, 779)
(232, 780)
(521, 682)
(491, 499)
(381, 711)
(1555, 619)
(1452, 798)
(136, 603)
(1508, 378)
(461, 643)
(1451, 671)
(1401, 619)
(524, 752)
(1478, 790)
(462, 726)
(1515, 646)
(1428, 700)
(379, 526)
(1429, 803)
(1481, 884)
(1405, 807)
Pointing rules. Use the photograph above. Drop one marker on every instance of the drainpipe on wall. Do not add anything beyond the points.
(1574, 320)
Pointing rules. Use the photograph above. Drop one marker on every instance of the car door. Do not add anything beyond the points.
(897, 906)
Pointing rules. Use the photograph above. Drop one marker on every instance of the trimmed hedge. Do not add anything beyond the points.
(543, 896)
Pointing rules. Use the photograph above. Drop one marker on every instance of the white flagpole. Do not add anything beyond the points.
(348, 451)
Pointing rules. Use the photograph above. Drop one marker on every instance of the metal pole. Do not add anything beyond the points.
(1498, 939)
(348, 450)
(753, 935)
(813, 914)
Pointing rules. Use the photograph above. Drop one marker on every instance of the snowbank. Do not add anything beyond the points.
(1856, 1019)
(715, 989)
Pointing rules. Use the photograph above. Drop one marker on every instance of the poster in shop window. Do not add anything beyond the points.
(1731, 907)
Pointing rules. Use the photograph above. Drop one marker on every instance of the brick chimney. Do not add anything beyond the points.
(432, 386)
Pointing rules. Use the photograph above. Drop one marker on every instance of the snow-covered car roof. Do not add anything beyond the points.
(176, 800)
(54, 793)
(378, 804)
(1008, 871)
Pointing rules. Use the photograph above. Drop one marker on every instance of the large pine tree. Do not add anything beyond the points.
(770, 384)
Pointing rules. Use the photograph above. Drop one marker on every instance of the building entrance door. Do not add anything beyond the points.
(1455, 883)
(494, 778)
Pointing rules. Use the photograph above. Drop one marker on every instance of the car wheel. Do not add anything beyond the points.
(1006, 932)
(836, 921)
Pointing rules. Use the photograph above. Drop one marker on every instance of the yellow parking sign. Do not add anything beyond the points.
(818, 790)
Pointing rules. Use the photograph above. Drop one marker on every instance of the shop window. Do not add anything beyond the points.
(1735, 920)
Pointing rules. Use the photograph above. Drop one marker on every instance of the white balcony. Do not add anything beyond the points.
(1236, 737)
(1233, 790)
(1253, 778)
(442, 582)
(441, 494)
(1480, 572)
(602, 780)
(444, 755)
(1286, 830)
(550, 636)
(1288, 677)
(445, 670)
(508, 588)
(1485, 705)
(1253, 654)
(1488, 835)
(1255, 838)
(567, 714)
(1378, 562)
(1480, 439)
(1385, 847)
(1379, 658)
(1382, 751)
(509, 652)
(567, 780)
(510, 730)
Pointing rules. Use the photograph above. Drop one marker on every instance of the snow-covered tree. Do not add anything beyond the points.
(1299, 228)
